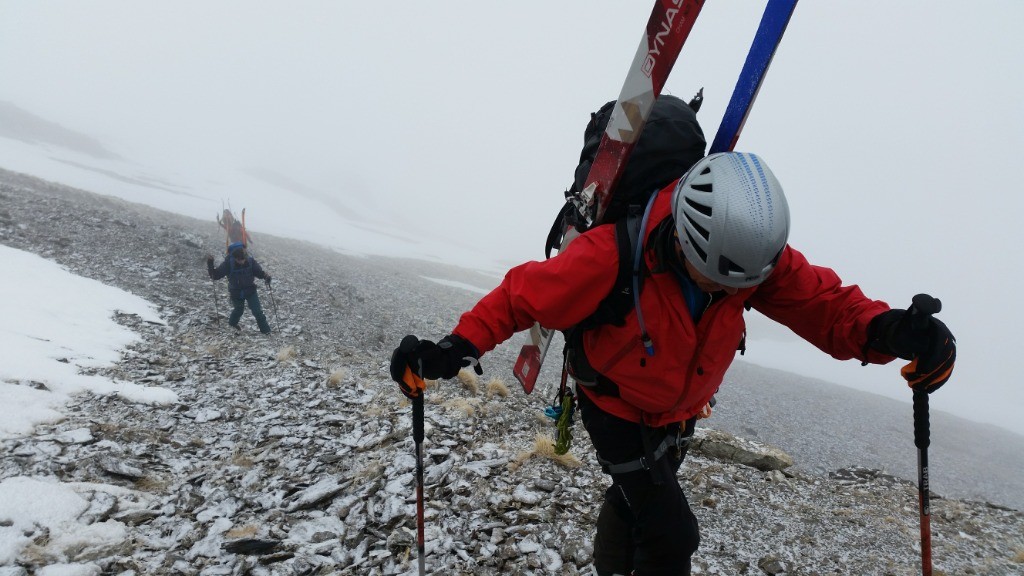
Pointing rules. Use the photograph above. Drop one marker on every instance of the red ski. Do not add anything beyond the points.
(667, 29)
(234, 228)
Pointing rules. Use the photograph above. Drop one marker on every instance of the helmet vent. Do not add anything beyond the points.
(725, 266)
(702, 208)
(693, 243)
(731, 219)
(700, 229)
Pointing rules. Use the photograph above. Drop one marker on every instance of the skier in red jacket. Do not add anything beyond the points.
(714, 243)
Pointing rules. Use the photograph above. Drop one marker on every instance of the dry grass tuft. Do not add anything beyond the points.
(287, 353)
(497, 388)
(247, 531)
(467, 407)
(213, 349)
(373, 470)
(1019, 557)
(238, 458)
(334, 380)
(544, 447)
(152, 485)
(469, 381)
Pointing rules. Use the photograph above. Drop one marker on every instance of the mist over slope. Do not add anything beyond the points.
(825, 426)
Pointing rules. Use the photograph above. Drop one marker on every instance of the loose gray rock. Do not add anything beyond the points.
(746, 452)
(254, 546)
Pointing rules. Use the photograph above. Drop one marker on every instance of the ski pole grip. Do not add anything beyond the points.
(417, 418)
(922, 427)
(921, 309)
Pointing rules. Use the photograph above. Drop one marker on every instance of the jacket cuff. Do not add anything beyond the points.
(875, 350)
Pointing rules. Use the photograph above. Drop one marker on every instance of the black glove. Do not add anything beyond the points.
(930, 346)
(402, 370)
(431, 361)
(266, 278)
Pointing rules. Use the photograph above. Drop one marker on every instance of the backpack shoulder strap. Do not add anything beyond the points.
(628, 233)
(612, 309)
(619, 301)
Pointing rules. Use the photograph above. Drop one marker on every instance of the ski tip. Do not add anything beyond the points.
(527, 367)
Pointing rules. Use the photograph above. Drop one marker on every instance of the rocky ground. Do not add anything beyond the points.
(292, 454)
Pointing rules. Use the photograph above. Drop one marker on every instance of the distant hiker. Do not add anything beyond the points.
(714, 244)
(242, 271)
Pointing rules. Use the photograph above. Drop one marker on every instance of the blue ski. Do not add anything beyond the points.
(769, 33)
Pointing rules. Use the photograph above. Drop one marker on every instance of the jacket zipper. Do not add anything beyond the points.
(620, 354)
(694, 363)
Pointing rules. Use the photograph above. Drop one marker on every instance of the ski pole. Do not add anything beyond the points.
(419, 388)
(921, 440)
(213, 292)
(274, 302)
(417, 436)
(921, 309)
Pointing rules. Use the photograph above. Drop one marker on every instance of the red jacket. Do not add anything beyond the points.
(690, 359)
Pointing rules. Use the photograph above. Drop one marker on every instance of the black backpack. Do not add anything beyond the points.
(672, 141)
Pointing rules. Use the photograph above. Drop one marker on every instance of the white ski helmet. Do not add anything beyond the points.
(732, 218)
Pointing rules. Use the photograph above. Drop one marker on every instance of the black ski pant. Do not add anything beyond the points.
(253, 300)
(645, 526)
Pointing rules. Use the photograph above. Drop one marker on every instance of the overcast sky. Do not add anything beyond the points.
(894, 127)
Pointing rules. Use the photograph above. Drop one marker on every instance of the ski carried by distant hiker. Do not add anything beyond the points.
(234, 228)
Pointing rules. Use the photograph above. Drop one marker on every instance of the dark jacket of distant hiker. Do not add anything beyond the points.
(241, 279)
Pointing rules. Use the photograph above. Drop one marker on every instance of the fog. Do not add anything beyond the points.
(447, 131)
